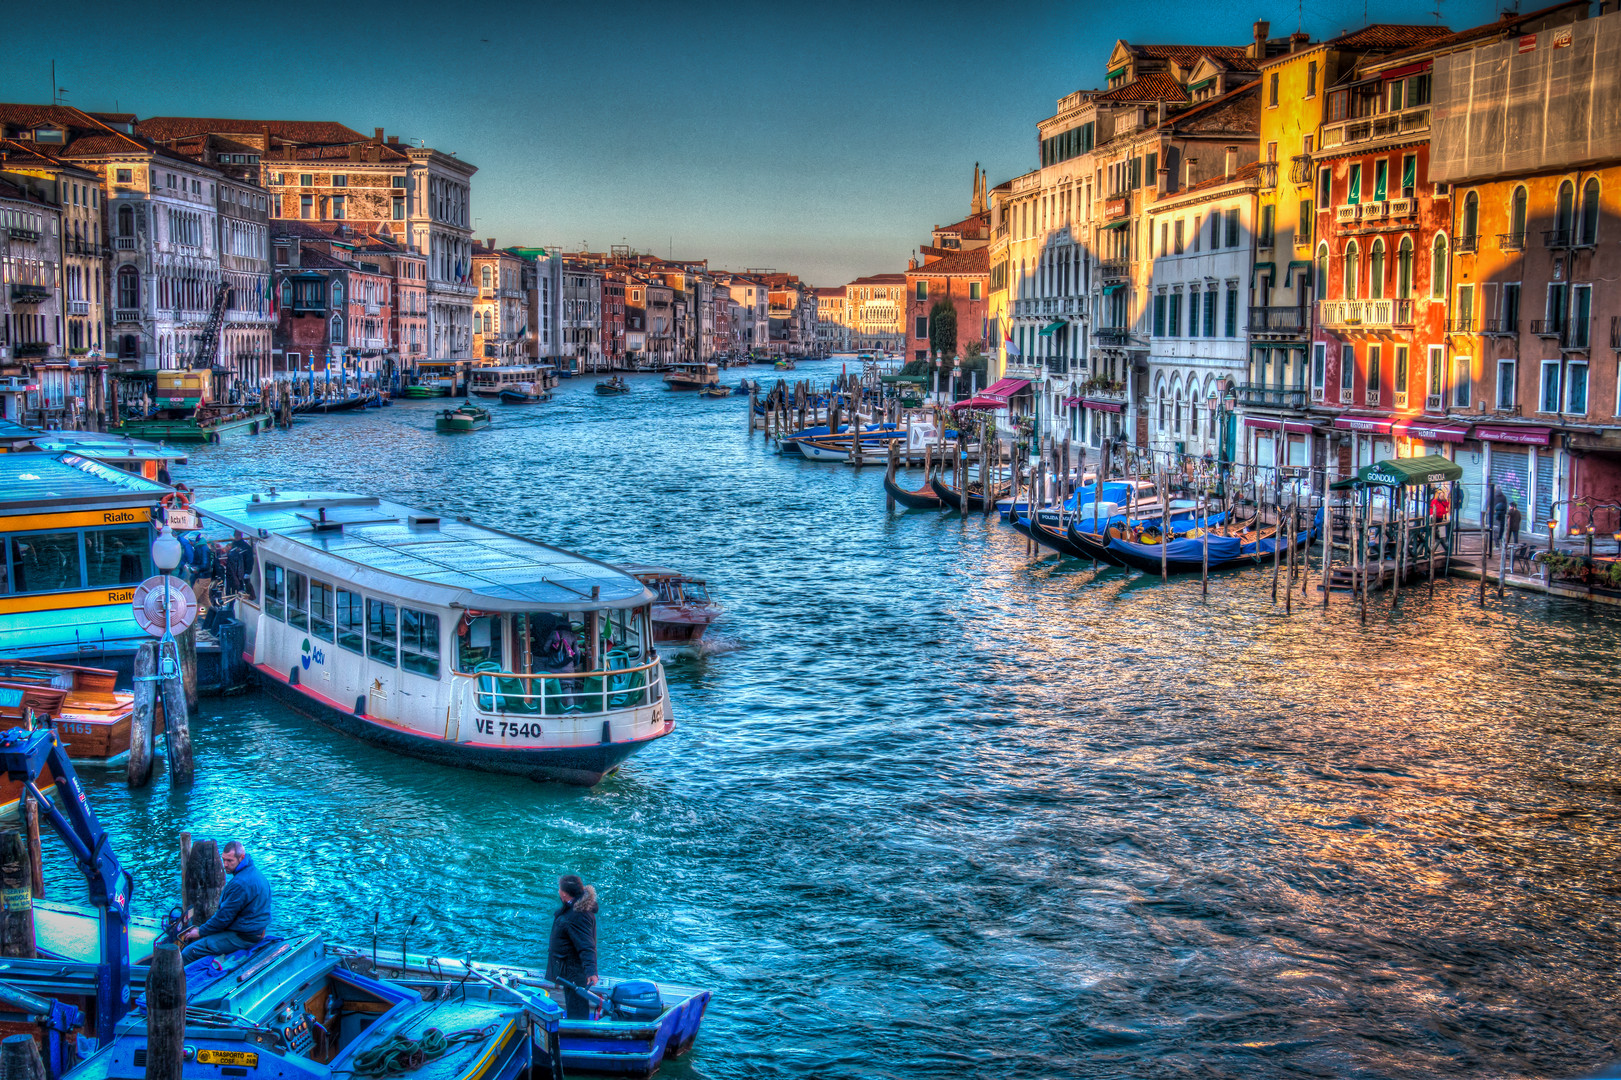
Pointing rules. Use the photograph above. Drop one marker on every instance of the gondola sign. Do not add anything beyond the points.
(149, 601)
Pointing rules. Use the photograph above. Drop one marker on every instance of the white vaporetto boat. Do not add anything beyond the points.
(446, 640)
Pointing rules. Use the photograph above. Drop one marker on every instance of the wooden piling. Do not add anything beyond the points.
(889, 472)
(187, 641)
(204, 881)
(138, 769)
(165, 1013)
(1164, 526)
(1289, 590)
(19, 1058)
(31, 830)
(176, 729)
(16, 896)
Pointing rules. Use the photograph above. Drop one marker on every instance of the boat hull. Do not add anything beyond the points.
(191, 431)
(426, 391)
(966, 502)
(925, 498)
(579, 765)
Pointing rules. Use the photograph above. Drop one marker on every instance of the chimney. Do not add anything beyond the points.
(1187, 173)
(1232, 161)
(489, 242)
(1257, 49)
(393, 140)
(1162, 180)
(376, 134)
(1299, 40)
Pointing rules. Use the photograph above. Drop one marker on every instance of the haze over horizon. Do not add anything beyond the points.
(825, 145)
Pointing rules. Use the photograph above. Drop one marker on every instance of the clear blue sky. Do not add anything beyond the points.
(822, 139)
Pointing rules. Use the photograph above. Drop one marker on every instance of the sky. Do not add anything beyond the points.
(820, 139)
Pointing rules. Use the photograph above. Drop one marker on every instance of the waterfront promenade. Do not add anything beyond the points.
(937, 808)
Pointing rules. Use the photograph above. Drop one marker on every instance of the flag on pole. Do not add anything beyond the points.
(1009, 346)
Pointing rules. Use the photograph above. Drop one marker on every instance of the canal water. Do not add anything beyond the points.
(939, 809)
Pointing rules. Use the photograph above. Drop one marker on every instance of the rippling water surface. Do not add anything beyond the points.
(946, 807)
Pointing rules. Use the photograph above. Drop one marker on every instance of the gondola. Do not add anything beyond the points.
(1049, 537)
(924, 498)
(1187, 556)
(965, 502)
(1091, 545)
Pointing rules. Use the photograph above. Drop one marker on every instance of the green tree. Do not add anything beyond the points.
(974, 360)
(943, 329)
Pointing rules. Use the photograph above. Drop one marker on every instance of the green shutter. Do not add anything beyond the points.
(1354, 195)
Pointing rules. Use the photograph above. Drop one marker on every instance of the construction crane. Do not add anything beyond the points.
(209, 341)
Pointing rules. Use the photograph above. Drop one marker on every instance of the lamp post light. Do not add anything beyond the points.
(166, 555)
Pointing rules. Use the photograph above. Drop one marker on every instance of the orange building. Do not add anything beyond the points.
(963, 277)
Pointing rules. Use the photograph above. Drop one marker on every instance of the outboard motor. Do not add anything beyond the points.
(636, 1001)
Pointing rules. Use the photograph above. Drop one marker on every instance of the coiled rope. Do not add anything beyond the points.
(400, 1054)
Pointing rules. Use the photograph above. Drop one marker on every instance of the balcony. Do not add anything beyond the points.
(1278, 320)
(1398, 399)
(1558, 238)
(1434, 403)
(126, 315)
(1465, 244)
(78, 307)
(17, 232)
(1114, 269)
(1269, 174)
(1112, 336)
(1349, 212)
(1364, 314)
(1403, 207)
(1372, 398)
(1511, 241)
(1377, 210)
(1272, 397)
(1500, 327)
(1549, 328)
(1372, 129)
(1300, 169)
(30, 294)
(1345, 395)
(1463, 325)
(123, 243)
(30, 349)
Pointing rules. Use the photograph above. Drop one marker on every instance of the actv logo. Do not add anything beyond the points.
(311, 655)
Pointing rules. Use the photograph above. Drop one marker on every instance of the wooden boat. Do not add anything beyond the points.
(444, 640)
(682, 606)
(523, 394)
(715, 391)
(462, 418)
(433, 378)
(90, 716)
(973, 501)
(924, 498)
(691, 376)
(615, 385)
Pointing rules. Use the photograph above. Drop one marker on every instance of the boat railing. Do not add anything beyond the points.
(564, 693)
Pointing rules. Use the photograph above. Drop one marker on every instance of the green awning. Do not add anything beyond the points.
(1268, 267)
(1304, 264)
(1405, 472)
(1123, 223)
(1114, 74)
(912, 380)
(1202, 83)
(1107, 289)
(1052, 328)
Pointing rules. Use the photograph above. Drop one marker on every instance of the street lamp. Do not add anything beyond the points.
(166, 555)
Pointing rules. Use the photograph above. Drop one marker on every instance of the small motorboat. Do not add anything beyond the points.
(715, 390)
(467, 417)
(90, 717)
(784, 365)
(523, 394)
(747, 387)
(683, 609)
(615, 385)
(924, 498)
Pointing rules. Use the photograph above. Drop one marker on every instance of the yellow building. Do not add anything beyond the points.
(1293, 95)
(876, 309)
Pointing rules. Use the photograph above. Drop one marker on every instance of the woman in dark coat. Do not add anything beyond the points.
(572, 951)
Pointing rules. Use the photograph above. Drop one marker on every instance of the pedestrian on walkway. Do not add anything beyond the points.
(1499, 511)
(1513, 520)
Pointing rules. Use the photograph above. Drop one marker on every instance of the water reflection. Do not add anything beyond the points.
(945, 808)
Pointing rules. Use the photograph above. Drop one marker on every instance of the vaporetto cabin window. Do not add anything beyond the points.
(419, 642)
(351, 622)
(322, 610)
(381, 632)
(275, 591)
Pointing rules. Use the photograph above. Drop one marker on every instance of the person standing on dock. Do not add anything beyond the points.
(1513, 519)
(1499, 512)
(243, 915)
(572, 951)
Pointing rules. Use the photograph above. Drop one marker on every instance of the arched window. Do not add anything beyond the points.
(1404, 268)
(126, 221)
(337, 291)
(1159, 392)
(1353, 257)
(1193, 405)
(337, 330)
(1471, 217)
(1589, 230)
(129, 287)
(1177, 412)
(1516, 217)
(1320, 272)
(1438, 267)
(486, 277)
(1376, 271)
(1564, 212)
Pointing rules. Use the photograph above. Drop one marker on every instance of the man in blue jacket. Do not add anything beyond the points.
(243, 915)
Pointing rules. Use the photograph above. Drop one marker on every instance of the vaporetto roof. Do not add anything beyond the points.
(391, 549)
